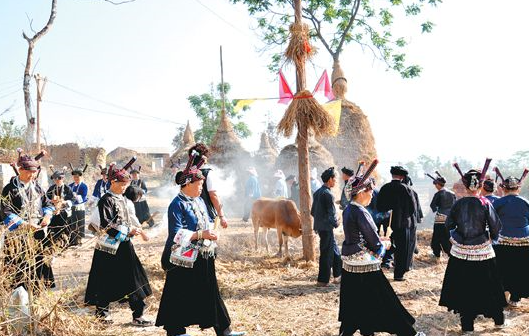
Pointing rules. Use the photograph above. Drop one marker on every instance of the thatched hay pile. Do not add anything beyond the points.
(319, 157)
(354, 141)
(181, 156)
(226, 149)
(264, 162)
(227, 153)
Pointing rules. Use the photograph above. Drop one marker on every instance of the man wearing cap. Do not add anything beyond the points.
(25, 208)
(325, 221)
(347, 173)
(252, 191)
(441, 204)
(397, 197)
(141, 206)
(80, 192)
(293, 185)
(117, 274)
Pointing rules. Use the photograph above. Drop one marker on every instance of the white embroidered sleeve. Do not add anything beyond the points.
(183, 237)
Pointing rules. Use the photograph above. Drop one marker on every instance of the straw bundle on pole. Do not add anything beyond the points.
(305, 113)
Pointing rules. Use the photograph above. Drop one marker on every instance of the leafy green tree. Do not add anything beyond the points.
(11, 135)
(336, 23)
(208, 106)
(178, 138)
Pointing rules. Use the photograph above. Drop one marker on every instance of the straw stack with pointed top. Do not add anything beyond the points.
(226, 148)
(181, 155)
(354, 141)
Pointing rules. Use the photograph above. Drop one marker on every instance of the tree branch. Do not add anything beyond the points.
(354, 11)
(44, 30)
(317, 26)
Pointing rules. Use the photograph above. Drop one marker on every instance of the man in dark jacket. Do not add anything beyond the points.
(397, 197)
(325, 220)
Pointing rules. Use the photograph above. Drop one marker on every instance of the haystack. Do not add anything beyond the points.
(226, 149)
(227, 154)
(181, 156)
(354, 141)
(264, 162)
(319, 157)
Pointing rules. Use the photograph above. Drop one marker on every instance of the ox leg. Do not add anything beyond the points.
(280, 242)
(256, 233)
(266, 240)
(287, 255)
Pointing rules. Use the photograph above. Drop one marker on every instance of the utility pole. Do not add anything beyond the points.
(41, 84)
(222, 81)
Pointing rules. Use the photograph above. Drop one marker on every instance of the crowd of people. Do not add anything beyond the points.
(485, 236)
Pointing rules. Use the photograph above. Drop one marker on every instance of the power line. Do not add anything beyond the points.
(109, 103)
(10, 87)
(9, 81)
(112, 113)
(221, 18)
(10, 93)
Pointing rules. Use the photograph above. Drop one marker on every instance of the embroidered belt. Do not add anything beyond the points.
(439, 218)
(472, 252)
(361, 262)
(513, 241)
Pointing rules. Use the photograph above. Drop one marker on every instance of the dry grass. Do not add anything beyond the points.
(299, 49)
(305, 110)
(265, 295)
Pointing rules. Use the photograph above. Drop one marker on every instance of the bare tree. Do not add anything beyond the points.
(30, 131)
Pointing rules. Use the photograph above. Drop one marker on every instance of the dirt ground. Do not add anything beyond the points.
(266, 295)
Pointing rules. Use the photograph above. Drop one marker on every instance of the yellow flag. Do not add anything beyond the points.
(335, 109)
(241, 104)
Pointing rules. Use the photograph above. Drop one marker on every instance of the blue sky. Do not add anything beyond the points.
(149, 55)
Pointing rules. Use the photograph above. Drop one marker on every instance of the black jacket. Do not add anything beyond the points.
(398, 197)
(442, 201)
(359, 230)
(323, 210)
(472, 221)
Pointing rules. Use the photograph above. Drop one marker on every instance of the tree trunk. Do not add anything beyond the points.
(30, 132)
(305, 199)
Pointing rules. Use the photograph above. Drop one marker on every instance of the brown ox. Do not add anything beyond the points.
(281, 214)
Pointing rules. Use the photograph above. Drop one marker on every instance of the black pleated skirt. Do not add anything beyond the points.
(472, 287)
(191, 297)
(513, 265)
(120, 277)
(368, 303)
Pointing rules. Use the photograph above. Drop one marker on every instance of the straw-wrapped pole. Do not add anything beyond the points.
(305, 113)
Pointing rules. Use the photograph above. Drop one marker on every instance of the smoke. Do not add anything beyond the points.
(224, 182)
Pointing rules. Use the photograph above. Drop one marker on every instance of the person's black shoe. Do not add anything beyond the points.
(141, 322)
(399, 279)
